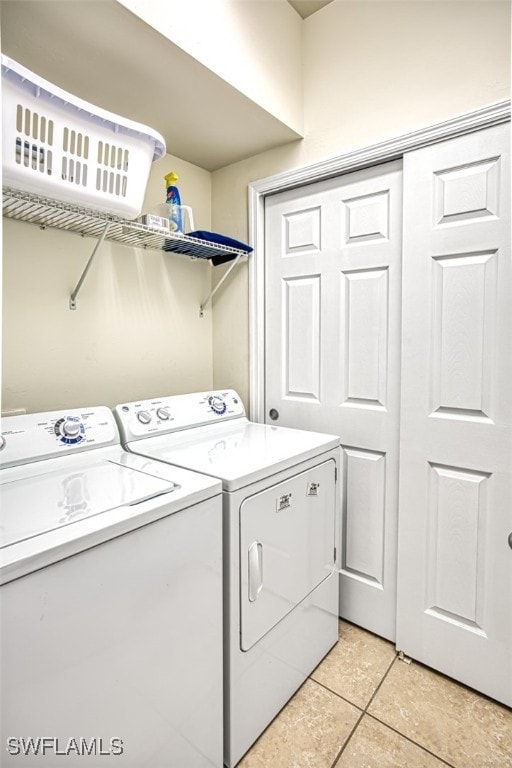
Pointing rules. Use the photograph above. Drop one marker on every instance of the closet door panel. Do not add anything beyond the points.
(332, 359)
(455, 500)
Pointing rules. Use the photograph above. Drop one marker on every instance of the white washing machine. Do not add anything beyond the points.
(280, 543)
(111, 600)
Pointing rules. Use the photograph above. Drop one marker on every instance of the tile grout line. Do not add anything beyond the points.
(386, 673)
(354, 729)
(339, 696)
(411, 741)
(402, 735)
(363, 713)
(386, 725)
(376, 718)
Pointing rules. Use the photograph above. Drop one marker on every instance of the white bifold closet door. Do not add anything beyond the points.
(455, 555)
(332, 359)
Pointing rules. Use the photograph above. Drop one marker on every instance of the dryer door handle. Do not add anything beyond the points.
(255, 570)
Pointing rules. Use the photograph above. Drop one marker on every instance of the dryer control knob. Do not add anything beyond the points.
(217, 404)
(144, 417)
(163, 414)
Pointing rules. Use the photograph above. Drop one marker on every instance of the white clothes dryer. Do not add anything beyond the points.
(280, 505)
(111, 600)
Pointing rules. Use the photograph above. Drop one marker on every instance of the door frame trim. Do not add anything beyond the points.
(392, 149)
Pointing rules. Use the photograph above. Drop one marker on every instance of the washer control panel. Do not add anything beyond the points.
(175, 413)
(37, 436)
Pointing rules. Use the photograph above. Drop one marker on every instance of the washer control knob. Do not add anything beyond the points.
(70, 428)
(163, 414)
(2, 442)
(217, 404)
(144, 417)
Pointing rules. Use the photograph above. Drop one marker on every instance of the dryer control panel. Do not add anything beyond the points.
(171, 414)
(37, 436)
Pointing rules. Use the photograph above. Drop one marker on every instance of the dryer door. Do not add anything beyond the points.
(287, 540)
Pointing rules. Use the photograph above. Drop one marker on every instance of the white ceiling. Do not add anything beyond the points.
(307, 7)
(102, 53)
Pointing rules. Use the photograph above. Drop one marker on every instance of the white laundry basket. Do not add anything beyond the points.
(59, 146)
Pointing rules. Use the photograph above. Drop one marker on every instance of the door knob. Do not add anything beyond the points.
(510, 540)
(274, 415)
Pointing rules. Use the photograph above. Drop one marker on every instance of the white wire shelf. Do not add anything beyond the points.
(45, 212)
(35, 209)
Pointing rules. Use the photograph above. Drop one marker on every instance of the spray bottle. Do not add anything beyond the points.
(173, 202)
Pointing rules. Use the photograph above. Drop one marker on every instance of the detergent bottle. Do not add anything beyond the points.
(173, 202)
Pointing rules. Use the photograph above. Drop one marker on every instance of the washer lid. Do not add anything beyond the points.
(38, 502)
(238, 452)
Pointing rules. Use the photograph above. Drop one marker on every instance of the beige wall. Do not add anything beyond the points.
(378, 69)
(136, 331)
(372, 70)
(254, 46)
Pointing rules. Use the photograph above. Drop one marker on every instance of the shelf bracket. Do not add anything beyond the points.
(72, 298)
(214, 290)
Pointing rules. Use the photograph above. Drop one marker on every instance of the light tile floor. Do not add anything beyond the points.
(362, 707)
